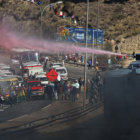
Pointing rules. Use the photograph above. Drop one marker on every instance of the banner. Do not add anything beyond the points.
(78, 35)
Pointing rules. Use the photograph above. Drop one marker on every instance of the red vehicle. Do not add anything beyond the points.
(34, 88)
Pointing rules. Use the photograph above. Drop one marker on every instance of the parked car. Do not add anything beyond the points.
(63, 72)
(54, 65)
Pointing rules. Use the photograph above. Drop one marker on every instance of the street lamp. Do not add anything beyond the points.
(85, 68)
(42, 11)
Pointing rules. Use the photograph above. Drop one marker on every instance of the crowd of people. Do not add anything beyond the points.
(63, 90)
(66, 90)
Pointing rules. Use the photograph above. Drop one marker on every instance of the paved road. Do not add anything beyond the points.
(78, 71)
(22, 109)
(94, 128)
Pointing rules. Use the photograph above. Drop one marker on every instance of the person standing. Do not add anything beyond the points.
(29, 92)
(89, 63)
(74, 94)
(93, 90)
(56, 89)
(82, 59)
(1, 101)
(116, 49)
(11, 97)
(75, 90)
(88, 89)
(80, 84)
(45, 65)
(51, 7)
(100, 89)
(66, 90)
(109, 62)
(133, 54)
(60, 91)
(72, 18)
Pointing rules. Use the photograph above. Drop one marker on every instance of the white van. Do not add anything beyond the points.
(63, 72)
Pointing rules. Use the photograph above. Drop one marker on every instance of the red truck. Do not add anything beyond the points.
(34, 89)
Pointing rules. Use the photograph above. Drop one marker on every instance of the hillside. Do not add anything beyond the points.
(118, 20)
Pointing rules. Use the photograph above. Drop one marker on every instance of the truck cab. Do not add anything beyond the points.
(34, 88)
(42, 77)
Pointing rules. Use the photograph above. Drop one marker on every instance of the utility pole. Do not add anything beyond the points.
(93, 43)
(85, 68)
(98, 14)
(97, 24)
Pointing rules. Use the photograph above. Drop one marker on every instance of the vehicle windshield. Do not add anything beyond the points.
(7, 69)
(5, 86)
(61, 71)
(28, 57)
(34, 84)
(57, 65)
(134, 66)
(15, 57)
(20, 79)
(43, 79)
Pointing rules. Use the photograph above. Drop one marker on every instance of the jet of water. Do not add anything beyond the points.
(10, 40)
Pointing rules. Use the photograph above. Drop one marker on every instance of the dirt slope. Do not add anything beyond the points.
(118, 20)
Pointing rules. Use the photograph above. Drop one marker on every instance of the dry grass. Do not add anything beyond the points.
(117, 20)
